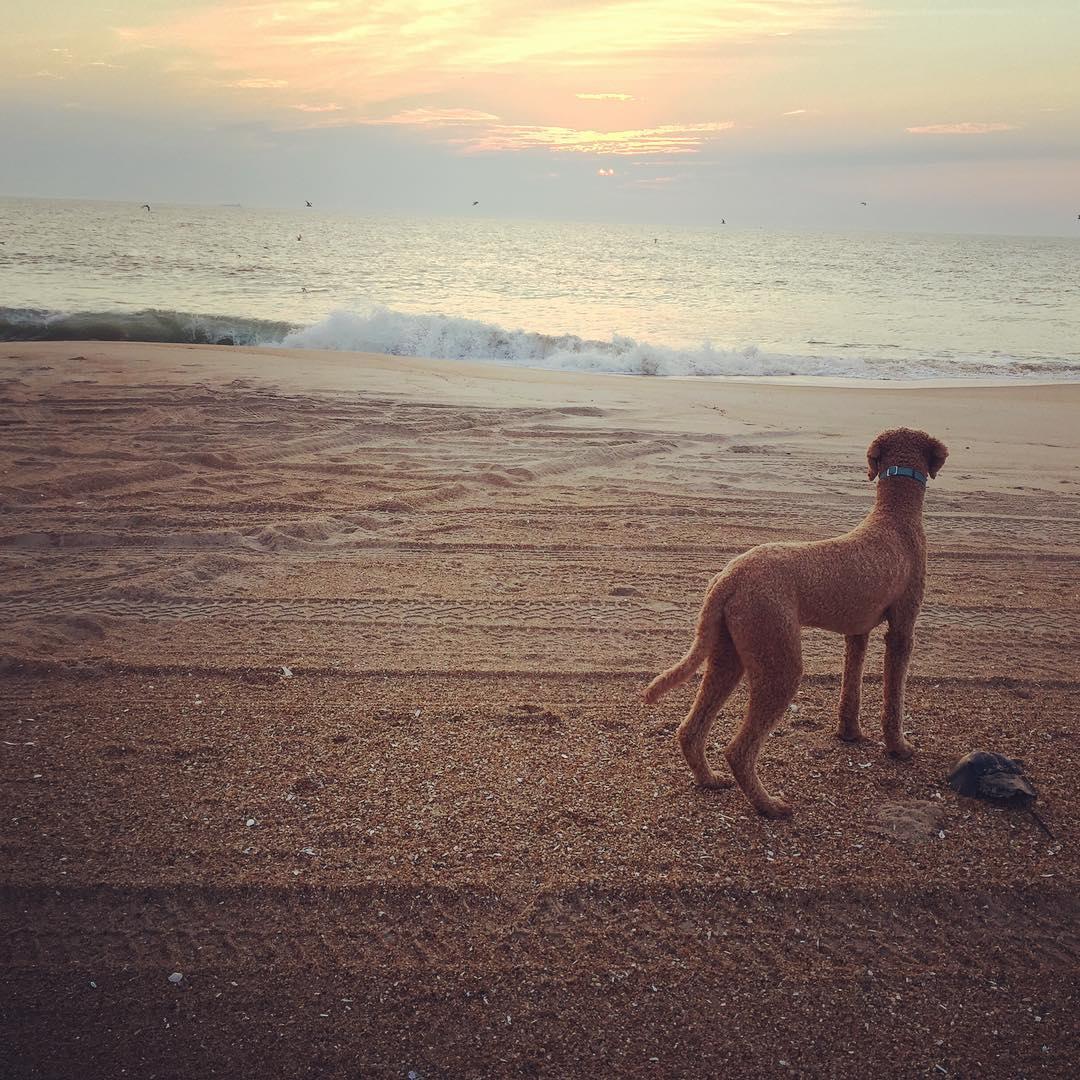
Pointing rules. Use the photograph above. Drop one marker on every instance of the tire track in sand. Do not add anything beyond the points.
(432, 927)
(432, 611)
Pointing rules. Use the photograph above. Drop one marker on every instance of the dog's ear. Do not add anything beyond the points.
(937, 453)
(873, 457)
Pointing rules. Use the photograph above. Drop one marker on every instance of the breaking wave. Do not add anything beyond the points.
(383, 330)
(181, 327)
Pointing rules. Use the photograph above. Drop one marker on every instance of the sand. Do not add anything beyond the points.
(321, 681)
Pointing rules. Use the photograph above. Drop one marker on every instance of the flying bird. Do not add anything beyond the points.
(862, 203)
(476, 202)
(308, 201)
(299, 236)
(146, 207)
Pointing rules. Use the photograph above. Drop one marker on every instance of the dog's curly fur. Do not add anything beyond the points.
(753, 611)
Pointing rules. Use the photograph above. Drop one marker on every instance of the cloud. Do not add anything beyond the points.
(331, 106)
(666, 139)
(966, 127)
(365, 54)
(428, 117)
(794, 112)
(493, 135)
(605, 172)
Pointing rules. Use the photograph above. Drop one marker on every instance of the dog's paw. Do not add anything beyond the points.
(774, 808)
(850, 735)
(715, 783)
(903, 750)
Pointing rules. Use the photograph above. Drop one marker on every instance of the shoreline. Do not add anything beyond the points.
(477, 368)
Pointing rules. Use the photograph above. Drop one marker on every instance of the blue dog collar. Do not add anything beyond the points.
(903, 470)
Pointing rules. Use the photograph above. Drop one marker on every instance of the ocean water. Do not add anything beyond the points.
(614, 298)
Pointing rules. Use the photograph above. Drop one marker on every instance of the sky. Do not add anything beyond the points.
(945, 116)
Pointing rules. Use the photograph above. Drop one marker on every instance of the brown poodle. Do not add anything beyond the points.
(750, 621)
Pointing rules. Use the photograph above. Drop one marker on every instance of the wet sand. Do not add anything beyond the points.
(320, 686)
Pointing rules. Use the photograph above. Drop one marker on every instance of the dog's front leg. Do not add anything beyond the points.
(851, 688)
(898, 644)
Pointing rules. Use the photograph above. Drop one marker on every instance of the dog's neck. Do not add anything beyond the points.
(900, 495)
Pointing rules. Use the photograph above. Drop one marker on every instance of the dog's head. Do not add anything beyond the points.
(906, 447)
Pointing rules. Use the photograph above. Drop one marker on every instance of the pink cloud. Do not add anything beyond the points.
(367, 55)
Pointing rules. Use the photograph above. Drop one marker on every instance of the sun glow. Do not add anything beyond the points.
(441, 67)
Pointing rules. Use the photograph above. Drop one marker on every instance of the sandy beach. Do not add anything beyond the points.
(321, 684)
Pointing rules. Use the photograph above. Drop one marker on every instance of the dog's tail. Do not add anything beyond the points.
(710, 623)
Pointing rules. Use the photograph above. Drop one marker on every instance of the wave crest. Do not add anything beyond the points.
(383, 330)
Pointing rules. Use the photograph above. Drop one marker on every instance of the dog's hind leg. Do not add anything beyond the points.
(899, 640)
(772, 653)
(723, 671)
(851, 688)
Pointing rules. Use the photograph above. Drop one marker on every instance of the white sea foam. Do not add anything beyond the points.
(397, 333)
